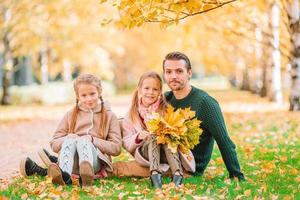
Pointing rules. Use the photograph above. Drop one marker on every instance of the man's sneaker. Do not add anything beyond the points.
(86, 172)
(28, 168)
(58, 176)
(46, 157)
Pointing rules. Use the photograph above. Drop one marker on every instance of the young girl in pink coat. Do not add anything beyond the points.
(141, 144)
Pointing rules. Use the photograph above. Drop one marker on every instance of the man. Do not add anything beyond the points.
(177, 72)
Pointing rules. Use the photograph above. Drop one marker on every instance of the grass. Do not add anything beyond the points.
(268, 150)
(268, 154)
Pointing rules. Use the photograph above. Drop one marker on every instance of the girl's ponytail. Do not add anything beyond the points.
(74, 118)
(133, 111)
(103, 119)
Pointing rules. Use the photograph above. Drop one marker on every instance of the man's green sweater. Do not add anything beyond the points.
(208, 111)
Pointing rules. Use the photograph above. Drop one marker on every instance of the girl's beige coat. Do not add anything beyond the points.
(88, 123)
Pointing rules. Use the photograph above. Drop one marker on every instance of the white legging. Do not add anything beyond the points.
(86, 152)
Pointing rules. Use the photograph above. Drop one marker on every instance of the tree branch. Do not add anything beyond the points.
(193, 14)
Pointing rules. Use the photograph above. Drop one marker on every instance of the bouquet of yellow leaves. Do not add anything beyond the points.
(178, 129)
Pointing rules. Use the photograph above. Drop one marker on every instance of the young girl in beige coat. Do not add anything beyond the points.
(87, 135)
(141, 144)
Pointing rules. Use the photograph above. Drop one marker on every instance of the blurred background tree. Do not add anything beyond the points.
(255, 44)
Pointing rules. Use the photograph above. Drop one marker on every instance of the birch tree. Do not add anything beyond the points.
(293, 11)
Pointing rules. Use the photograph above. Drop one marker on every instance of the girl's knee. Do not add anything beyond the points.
(69, 141)
(83, 141)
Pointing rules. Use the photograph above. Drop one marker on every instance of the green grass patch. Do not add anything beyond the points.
(268, 152)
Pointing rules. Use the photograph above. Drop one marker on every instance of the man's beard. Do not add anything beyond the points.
(177, 87)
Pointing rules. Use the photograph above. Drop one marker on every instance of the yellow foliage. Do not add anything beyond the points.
(178, 129)
(165, 12)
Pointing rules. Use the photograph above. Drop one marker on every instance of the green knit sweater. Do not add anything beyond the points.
(208, 111)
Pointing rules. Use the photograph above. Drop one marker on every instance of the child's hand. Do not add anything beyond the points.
(143, 135)
(72, 135)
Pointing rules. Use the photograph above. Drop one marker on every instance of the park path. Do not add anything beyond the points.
(19, 139)
(23, 139)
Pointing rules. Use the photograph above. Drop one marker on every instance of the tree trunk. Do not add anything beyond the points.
(23, 73)
(44, 65)
(276, 69)
(245, 82)
(7, 71)
(7, 60)
(253, 78)
(294, 21)
(67, 73)
(266, 65)
(265, 82)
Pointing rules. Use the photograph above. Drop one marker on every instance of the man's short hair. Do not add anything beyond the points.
(175, 55)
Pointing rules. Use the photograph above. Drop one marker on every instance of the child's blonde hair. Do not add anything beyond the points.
(92, 80)
(133, 111)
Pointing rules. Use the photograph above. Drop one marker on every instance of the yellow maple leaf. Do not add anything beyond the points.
(160, 139)
(152, 125)
(173, 119)
(195, 123)
(182, 130)
(170, 109)
(188, 113)
(183, 148)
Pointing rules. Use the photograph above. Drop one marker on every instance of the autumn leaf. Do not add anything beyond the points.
(188, 113)
(56, 192)
(152, 125)
(169, 11)
(75, 195)
(219, 160)
(247, 192)
(160, 139)
(3, 197)
(268, 167)
(173, 119)
(294, 171)
(283, 158)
